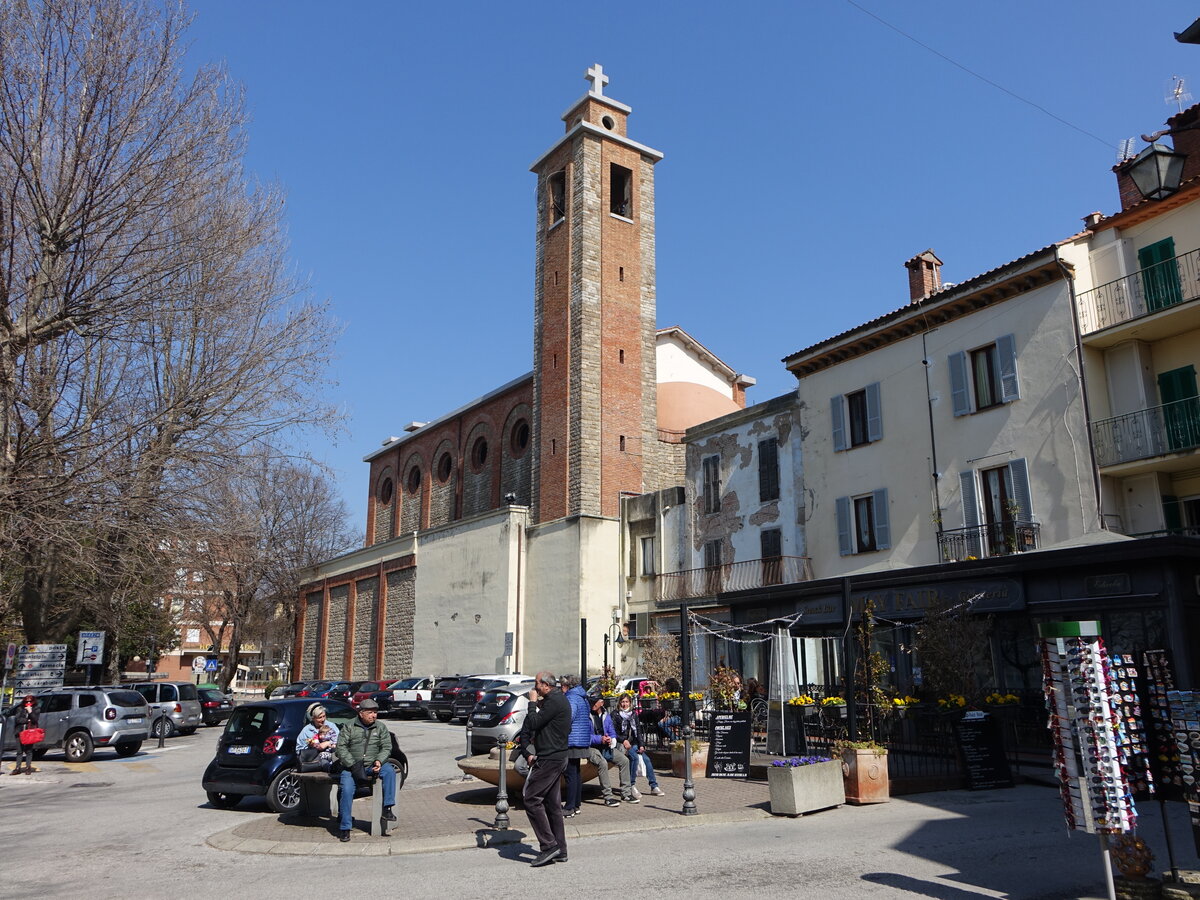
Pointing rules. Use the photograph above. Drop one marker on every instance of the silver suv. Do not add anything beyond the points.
(80, 720)
(174, 706)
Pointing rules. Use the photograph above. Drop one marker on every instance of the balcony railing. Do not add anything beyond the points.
(1142, 293)
(1148, 432)
(993, 539)
(738, 576)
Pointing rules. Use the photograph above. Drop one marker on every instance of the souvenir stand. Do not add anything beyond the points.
(1089, 734)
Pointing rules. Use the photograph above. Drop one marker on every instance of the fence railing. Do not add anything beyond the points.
(992, 539)
(739, 576)
(1147, 432)
(1144, 292)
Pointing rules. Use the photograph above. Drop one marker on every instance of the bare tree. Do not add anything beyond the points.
(149, 325)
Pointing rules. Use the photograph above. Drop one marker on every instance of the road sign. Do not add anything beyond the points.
(40, 666)
(198, 664)
(508, 643)
(212, 665)
(10, 654)
(91, 648)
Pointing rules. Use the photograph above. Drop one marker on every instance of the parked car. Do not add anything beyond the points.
(499, 713)
(367, 689)
(407, 696)
(257, 756)
(341, 690)
(215, 707)
(301, 688)
(441, 697)
(80, 720)
(174, 706)
(471, 689)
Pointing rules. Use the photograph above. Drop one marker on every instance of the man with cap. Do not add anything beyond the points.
(362, 749)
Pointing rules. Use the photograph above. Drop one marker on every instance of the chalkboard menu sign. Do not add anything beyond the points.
(982, 751)
(729, 744)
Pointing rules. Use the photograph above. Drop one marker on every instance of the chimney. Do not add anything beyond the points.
(924, 275)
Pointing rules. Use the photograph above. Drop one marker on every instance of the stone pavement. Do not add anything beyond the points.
(459, 816)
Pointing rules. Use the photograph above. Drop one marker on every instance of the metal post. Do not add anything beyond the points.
(502, 789)
(583, 652)
(685, 636)
(850, 654)
(468, 734)
(606, 654)
(1108, 875)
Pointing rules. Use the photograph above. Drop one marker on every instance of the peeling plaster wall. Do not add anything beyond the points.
(742, 517)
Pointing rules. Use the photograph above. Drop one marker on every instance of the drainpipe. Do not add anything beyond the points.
(1069, 277)
(935, 473)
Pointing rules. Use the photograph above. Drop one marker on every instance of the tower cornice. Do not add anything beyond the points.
(596, 130)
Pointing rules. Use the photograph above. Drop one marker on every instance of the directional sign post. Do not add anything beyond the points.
(91, 648)
(40, 666)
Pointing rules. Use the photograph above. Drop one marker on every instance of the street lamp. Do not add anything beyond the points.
(1157, 171)
(616, 640)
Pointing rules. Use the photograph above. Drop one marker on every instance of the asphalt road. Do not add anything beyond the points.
(137, 827)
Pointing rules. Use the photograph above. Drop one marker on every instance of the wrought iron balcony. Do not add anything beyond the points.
(738, 576)
(1147, 432)
(1144, 292)
(994, 539)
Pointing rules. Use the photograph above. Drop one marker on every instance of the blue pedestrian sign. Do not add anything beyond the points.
(211, 665)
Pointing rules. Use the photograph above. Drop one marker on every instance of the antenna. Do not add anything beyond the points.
(1125, 151)
(1177, 93)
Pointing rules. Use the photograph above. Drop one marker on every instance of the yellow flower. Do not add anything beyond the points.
(802, 700)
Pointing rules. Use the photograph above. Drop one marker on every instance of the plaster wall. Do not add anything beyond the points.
(1045, 426)
(677, 363)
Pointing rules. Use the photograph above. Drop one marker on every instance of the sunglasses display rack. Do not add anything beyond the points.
(1088, 735)
(1135, 748)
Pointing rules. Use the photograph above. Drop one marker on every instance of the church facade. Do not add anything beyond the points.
(493, 530)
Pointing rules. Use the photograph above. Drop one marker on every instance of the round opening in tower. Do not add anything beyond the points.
(444, 467)
(608, 123)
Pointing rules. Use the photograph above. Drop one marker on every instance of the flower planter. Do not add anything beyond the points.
(699, 761)
(803, 789)
(649, 703)
(865, 773)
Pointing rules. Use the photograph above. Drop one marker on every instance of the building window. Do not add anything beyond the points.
(984, 378)
(863, 523)
(558, 197)
(622, 442)
(479, 453)
(444, 467)
(519, 439)
(385, 491)
(414, 480)
(770, 540)
(768, 469)
(620, 187)
(996, 502)
(712, 554)
(857, 418)
(712, 484)
(648, 556)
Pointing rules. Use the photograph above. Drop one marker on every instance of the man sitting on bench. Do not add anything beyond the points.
(362, 749)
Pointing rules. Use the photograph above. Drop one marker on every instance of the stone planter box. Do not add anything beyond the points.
(805, 789)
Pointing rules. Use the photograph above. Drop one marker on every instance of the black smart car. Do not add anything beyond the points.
(256, 754)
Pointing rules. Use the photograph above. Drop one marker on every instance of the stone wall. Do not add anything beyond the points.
(398, 629)
(312, 633)
(365, 632)
(335, 645)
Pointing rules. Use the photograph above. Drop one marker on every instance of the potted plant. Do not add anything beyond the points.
(864, 771)
(835, 706)
(699, 758)
(804, 784)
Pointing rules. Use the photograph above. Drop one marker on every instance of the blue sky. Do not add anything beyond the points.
(809, 150)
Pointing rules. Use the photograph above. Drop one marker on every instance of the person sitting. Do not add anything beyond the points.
(317, 741)
(628, 730)
(606, 749)
(362, 749)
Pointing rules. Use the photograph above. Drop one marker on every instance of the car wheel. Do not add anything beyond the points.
(401, 771)
(40, 752)
(78, 747)
(443, 716)
(283, 796)
(163, 727)
(221, 800)
(191, 730)
(129, 748)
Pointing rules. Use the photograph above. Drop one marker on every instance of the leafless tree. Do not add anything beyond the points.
(150, 328)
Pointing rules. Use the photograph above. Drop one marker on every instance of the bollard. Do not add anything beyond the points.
(502, 792)
(469, 753)
(162, 733)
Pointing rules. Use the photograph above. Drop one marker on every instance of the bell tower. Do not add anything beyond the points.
(595, 428)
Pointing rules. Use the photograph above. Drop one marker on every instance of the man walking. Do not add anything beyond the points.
(362, 749)
(548, 723)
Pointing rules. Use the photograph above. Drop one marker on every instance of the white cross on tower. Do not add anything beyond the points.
(598, 79)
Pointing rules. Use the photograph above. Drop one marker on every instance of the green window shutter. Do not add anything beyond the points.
(1181, 408)
(1160, 274)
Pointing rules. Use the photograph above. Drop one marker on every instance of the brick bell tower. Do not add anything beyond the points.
(595, 417)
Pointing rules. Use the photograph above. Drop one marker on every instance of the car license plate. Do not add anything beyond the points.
(241, 750)
(479, 717)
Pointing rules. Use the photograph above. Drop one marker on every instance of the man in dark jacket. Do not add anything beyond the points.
(548, 722)
(362, 748)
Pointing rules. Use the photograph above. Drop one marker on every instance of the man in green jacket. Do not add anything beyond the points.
(363, 748)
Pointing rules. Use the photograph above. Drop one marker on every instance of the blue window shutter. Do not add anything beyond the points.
(1018, 469)
(970, 505)
(883, 529)
(845, 538)
(1006, 352)
(874, 413)
(837, 408)
(958, 384)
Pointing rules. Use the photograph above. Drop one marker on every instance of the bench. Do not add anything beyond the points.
(319, 799)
